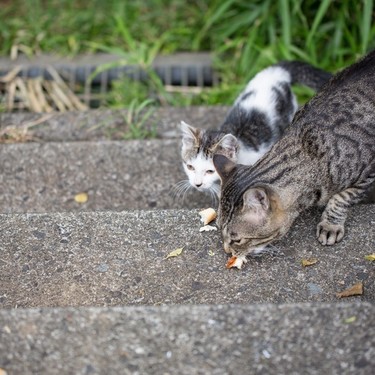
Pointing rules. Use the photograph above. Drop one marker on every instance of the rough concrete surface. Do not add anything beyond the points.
(100, 125)
(109, 259)
(233, 339)
(82, 270)
(116, 175)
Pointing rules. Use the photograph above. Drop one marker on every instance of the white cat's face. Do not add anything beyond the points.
(198, 148)
(201, 172)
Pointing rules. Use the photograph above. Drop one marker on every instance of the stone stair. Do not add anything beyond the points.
(87, 288)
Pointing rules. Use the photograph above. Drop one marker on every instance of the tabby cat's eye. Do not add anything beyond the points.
(190, 167)
(210, 171)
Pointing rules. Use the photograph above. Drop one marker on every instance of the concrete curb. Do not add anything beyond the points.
(232, 339)
(111, 259)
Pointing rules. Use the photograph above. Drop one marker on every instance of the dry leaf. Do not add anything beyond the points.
(207, 215)
(370, 257)
(309, 262)
(174, 253)
(355, 290)
(207, 228)
(352, 319)
(81, 198)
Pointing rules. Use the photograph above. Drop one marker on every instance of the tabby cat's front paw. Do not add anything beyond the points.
(329, 234)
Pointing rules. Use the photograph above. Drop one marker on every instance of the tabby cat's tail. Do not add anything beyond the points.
(306, 74)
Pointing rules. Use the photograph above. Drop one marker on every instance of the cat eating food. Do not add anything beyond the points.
(256, 121)
(326, 157)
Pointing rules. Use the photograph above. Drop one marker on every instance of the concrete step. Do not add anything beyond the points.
(110, 259)
(105, 124)
(45, 177)
(312, 339)
(62, 263)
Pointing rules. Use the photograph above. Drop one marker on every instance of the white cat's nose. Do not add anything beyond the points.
(198, 185)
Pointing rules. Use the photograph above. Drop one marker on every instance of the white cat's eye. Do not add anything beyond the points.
(190, 167)
(210, 171)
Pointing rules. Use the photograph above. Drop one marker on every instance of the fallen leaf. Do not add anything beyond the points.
(81, 198)
(207, 228)
(174, 253)
(352, 319)
(370, 257)
(309, 262)
(355, 290)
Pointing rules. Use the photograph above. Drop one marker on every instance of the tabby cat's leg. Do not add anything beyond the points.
(331, 228)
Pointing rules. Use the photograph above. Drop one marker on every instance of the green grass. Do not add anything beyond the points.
(244, 35)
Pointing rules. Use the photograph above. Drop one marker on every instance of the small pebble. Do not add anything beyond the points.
(102, 267)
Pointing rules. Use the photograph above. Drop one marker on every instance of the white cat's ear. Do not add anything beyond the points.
(223, 166)
(229, 144)
(256, 199)
(189, 135)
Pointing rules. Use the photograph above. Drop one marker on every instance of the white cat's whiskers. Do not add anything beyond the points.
(216, 190)
(180, 189)
(214, 193)
(213, 196)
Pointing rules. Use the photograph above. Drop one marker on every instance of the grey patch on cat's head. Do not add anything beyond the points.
(209, 142)
(190, 139)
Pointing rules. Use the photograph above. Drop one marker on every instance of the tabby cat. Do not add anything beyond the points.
(326, 157)
(256, 121)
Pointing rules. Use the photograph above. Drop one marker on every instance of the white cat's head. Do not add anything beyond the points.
(198, 148)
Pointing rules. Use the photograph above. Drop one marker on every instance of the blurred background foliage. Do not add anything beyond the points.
(244, 36)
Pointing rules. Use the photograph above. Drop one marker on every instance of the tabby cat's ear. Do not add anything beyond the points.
(229, 144)
(256, 199)
(189, 135)
(223, 166)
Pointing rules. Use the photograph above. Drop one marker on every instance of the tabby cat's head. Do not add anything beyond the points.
(198, 148)
(250, 217)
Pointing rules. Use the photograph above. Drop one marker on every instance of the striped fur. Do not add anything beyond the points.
(256, 121)
(326, 157)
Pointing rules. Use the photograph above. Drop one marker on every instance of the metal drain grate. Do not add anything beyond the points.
(184, 70)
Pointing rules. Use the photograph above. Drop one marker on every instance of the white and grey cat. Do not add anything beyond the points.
(256, 121)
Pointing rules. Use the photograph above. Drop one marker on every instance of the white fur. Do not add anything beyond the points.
(263, 99)
(199, 177)
(263, 96)
(248, 156)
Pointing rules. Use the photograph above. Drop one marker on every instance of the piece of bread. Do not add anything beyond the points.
(207, 215)
(207, 228)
